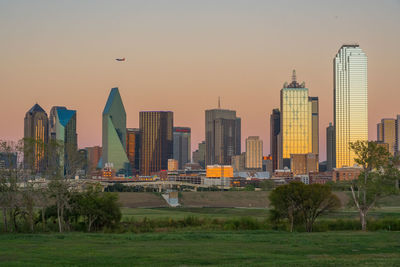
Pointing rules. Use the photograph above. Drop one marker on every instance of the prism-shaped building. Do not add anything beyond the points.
(114, 133)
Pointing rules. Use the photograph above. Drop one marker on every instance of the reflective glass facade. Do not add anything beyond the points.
(350, 101)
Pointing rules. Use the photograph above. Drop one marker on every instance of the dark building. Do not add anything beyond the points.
(133, 149)
(275, 139)
(36, 132)
(156, 129)
(94, 156)
(199, 156)
(8, 160)
(222, 133)
(330, 148)
(182, 145)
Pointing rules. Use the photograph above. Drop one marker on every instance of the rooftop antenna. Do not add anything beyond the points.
(294, 76)
(219, 102)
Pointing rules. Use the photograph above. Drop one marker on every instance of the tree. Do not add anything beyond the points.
(301, 203)
(378, 178)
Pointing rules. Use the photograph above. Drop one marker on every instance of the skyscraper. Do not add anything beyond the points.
(199, 155)
(157, 140)
(297, 120)
(387, 133)
(133, 149)
(94, 156)
(350, 101)
(254, 153)
(276, 139)
(182, 145)
(36, 131)
(222, 136)
(63, 130)
(114, 133)
(330, 147)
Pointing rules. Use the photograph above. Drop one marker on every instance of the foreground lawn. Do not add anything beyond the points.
(202, 248)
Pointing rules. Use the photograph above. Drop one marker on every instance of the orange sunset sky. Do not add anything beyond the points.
(182, 55)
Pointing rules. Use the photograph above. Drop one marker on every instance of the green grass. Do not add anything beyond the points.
(250, 248)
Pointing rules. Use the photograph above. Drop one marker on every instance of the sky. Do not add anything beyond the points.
(182, 55)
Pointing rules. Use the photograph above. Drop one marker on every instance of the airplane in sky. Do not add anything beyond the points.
(120, 59)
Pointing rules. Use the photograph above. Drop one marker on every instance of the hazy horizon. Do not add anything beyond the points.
(182, 55)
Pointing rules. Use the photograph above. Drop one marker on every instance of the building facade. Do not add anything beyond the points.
(254, 153)
(276, 140)
(298, 120)
(63, 130)
(222, 131)
(114, 133)
(36, 136)
(93, 158)
(182, 145)
(199, 155)
(239, 162)
(133, 149)
(330, 148)
(156, 129)
(386, 133)
(304, 163)
(350, 101)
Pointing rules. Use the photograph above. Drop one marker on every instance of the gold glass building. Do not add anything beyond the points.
(299, 121)
(386, 133)
(350, 101)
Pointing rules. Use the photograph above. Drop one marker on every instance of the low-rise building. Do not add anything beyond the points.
(345, 173)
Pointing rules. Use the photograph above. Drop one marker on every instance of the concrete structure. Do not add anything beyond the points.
(63, 130)
(304, 163)
(386, 133)
(276, 139)
(36, 136)
(299, 120)
(218, 171)
(199, 156)
(345, 173)
(330, 148)
(350, 101)
(254, 153)
(182, 145)
(157, 140)
(114, 133)
(173, 165)
(222, 131)
(133, 144)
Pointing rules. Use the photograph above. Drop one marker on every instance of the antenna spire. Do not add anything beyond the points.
(294, 76)
(219, 102)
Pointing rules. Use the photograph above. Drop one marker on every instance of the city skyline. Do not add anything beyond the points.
(245, 66)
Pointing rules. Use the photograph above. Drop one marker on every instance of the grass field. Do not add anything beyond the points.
(250, 248)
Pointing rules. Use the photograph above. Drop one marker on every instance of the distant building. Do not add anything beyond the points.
(303, 163)
(238, 162)
(254, 153)
(346, 173)
(173, 165)
(36, 133)
(63, 130)
(222, 131)
(267, 164)
(114, 133)
(218, 171)
(330, 147)
(276, 140)
(199, 156)
(8, 160)
(182, 145)
(93, 157)
(156, 129)
(386, 133)
(133, 144)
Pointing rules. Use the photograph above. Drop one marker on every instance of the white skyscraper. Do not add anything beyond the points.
(350, 101)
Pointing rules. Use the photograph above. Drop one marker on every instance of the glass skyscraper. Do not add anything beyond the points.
(299, 121)
(114, 133)
(182, 145)
(350, 101)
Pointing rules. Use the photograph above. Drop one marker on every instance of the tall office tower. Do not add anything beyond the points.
(238, 129)
(254, 153)
(276, 139)
(133, 149)
(397, 149)
(386, 131)
(156, 129)
(114, 133)
(182, 146)
(199, 156)
(63, 130)
(222, 136)
(94, 156)
(36, 133)
(350, 101)
(314, 124)
(297, 120)
(330, 148)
